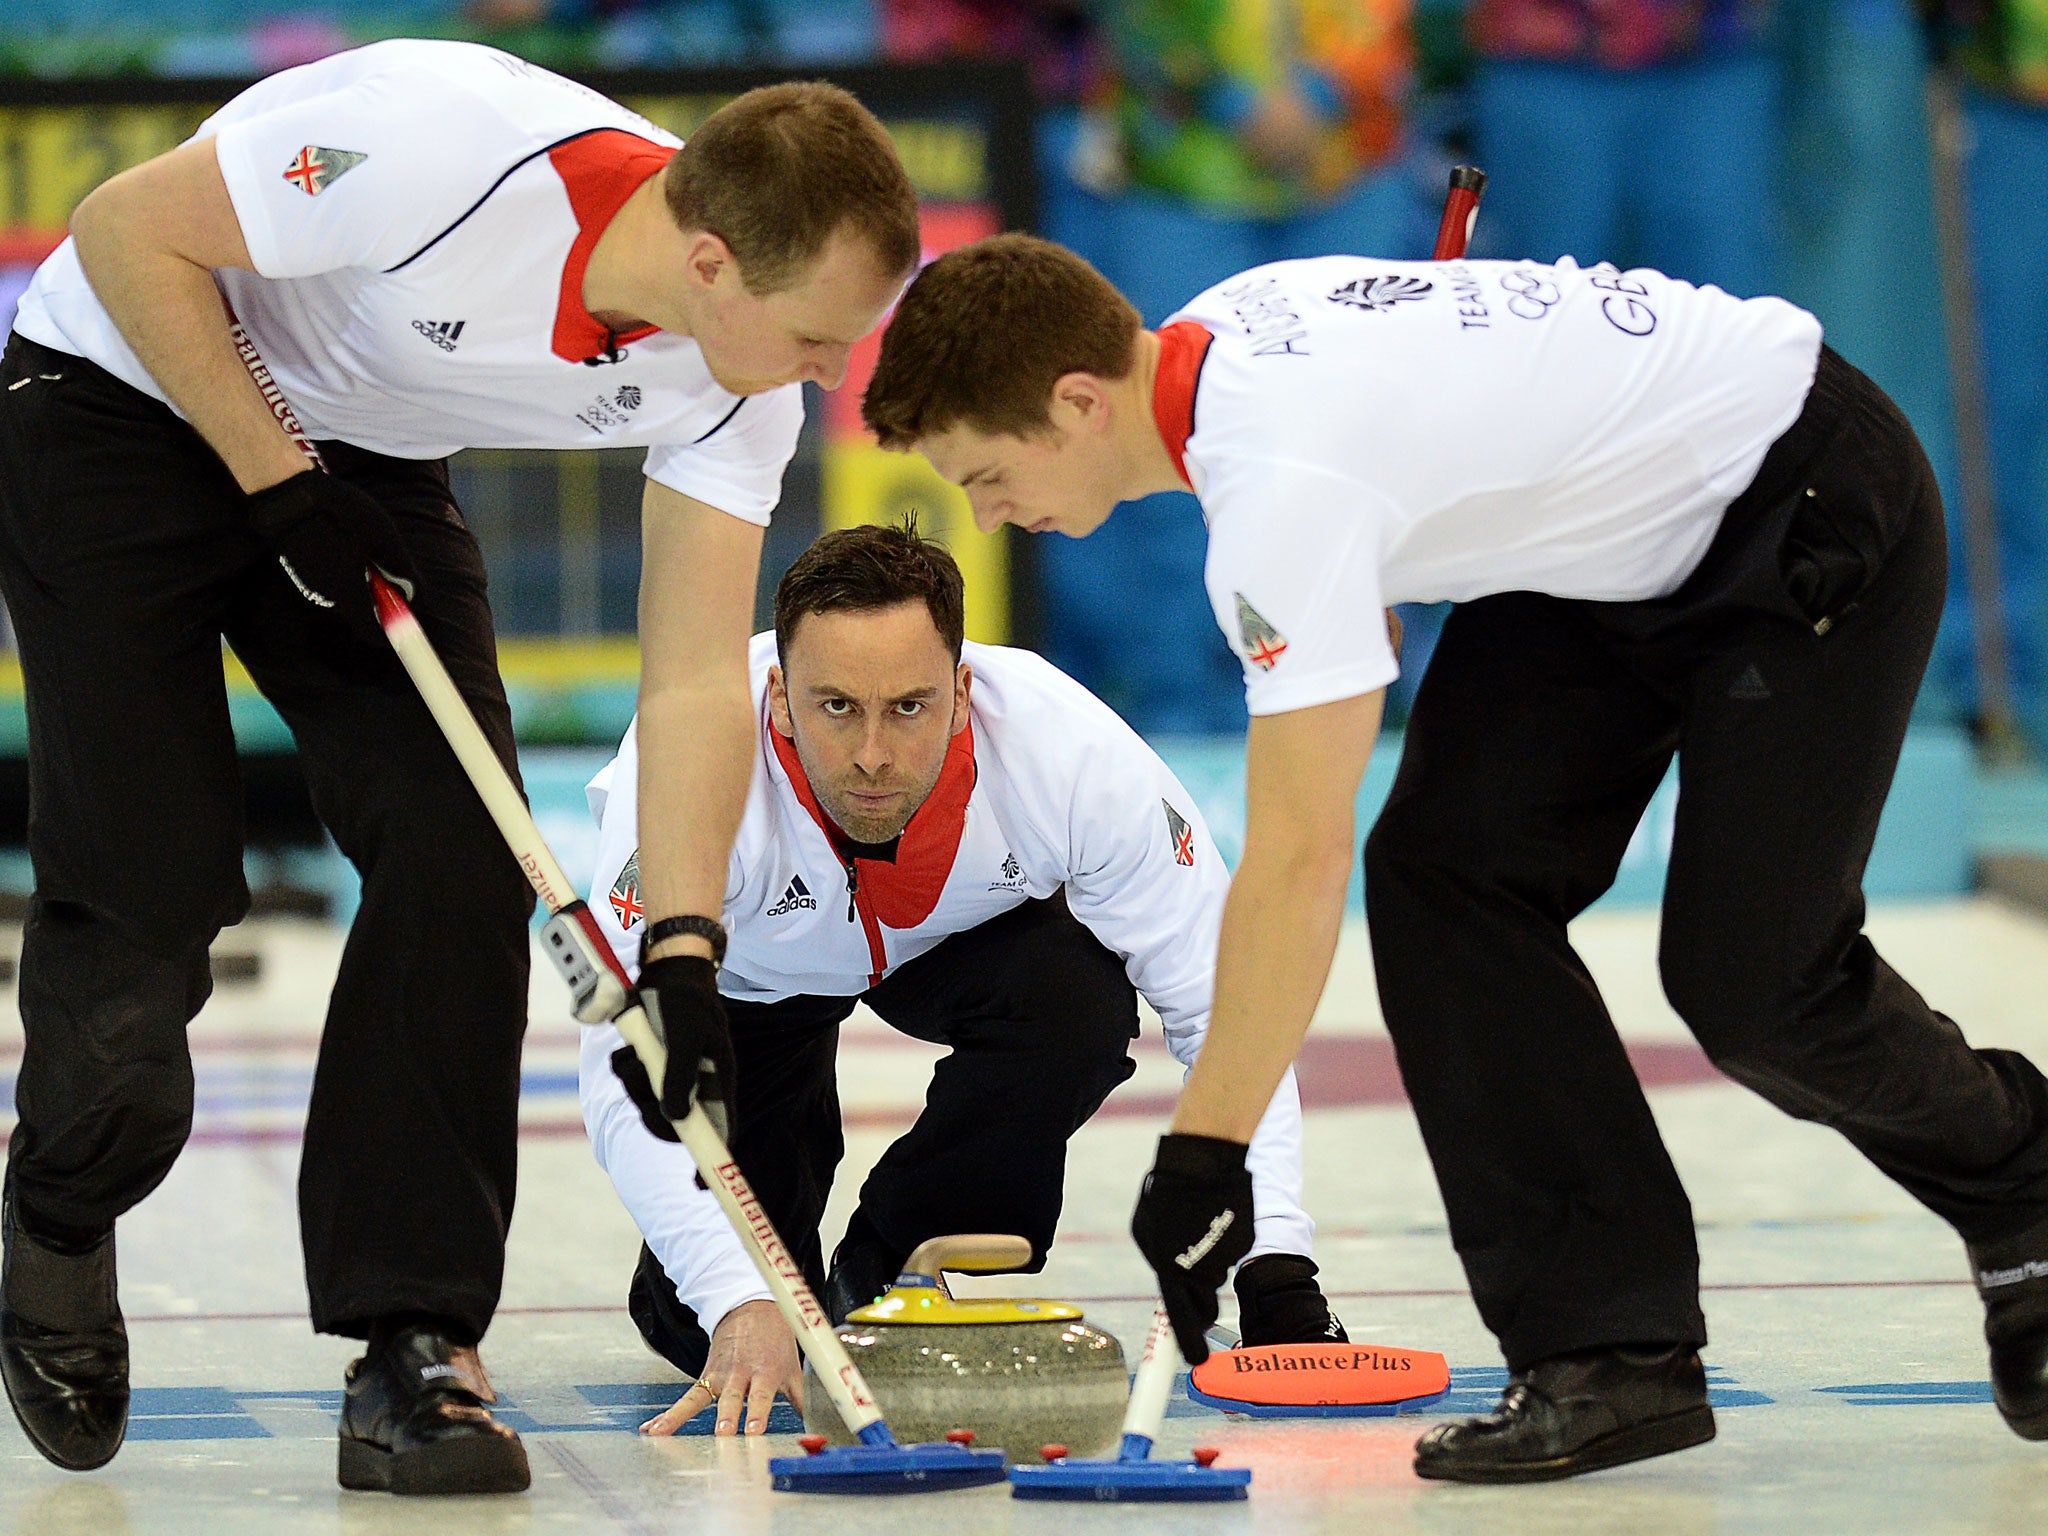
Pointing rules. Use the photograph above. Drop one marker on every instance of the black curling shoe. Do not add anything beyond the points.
(1577, 1413)
(1279, 1302)
(413, 1422)
(862, 1270)
(2012, 1277)
(63, 1345)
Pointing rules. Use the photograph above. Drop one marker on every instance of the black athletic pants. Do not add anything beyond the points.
(1781, 675)
(124, 559)
(1039, 1017)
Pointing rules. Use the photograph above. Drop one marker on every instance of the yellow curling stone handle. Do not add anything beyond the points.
(970, 1253)
(921, 1298)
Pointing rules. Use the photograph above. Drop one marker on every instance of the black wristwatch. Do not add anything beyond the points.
(708, 929)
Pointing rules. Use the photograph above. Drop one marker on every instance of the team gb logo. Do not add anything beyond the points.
(1380, 294)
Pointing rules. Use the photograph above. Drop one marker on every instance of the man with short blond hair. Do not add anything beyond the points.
(1676, 525)
(418, 247)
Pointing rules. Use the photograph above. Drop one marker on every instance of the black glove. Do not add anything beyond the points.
(632, 1075)
(327, 534)
(1193, 1222)
(680, 994)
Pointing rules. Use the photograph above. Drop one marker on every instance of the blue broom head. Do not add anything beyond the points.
(1132, 1481)
(883, 1467)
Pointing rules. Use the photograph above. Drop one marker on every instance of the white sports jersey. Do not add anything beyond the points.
(1046, 788)
(420, 216)
(1363, 433)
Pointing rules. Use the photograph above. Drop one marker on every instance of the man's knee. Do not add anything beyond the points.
(441, 843)
(1067, 990)
(1081, 1046)
(1424, 839)
(1064, 1061)
(99, 1132)
(123, 983)
(1727, 996)
(1751, 1017)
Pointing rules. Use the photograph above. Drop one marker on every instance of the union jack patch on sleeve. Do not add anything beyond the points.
(314, 169)
(1182, 834)
(1263, 644)
(626, 894)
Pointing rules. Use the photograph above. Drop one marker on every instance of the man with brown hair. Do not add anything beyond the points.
(418, 247)
(971, 843)
(1676, 525)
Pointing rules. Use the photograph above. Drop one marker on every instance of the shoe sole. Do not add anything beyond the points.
(466, 1464)
(1638, 1442)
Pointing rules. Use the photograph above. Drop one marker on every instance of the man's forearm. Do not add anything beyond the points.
(170, 312)
(696, 761)
(1279, 935)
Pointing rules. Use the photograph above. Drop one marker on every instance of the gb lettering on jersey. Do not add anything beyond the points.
(1626, 306)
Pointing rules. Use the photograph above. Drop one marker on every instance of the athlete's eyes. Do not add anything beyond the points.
(838, 709)
(910, 707)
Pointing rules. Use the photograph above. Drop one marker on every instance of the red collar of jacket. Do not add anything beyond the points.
(1183, 348)
(599, 171)
(902, 893)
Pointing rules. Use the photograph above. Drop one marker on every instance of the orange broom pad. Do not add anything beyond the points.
(1294, 1380)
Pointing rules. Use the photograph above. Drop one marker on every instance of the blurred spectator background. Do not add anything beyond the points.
(1645, 130)
(1999, 51)
(1764, 145)
(1217, 135)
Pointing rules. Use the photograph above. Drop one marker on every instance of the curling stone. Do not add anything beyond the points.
(1017, 1374)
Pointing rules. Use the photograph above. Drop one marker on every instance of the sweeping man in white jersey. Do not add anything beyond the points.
(973, 844)
(1675, 524)
(428, 246)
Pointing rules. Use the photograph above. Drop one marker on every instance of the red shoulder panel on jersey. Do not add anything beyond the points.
(1182, 347)
(599, 171)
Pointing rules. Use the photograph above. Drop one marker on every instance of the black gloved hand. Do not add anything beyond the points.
(327, 534)
(1193, 1222)
(632, 1076)
(680, 994)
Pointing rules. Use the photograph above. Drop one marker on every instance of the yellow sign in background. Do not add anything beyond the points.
(866, 484)
(50, 157)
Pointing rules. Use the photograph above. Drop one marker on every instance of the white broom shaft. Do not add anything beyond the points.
(1147, 1409)
(493, 784)
(778, 1268)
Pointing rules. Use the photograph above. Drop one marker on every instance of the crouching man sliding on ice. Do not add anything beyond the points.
(1676, 525)
(969, 842)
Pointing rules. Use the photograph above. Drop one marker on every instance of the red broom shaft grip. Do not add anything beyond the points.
(1461, 210)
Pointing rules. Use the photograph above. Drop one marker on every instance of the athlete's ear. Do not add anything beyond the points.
(778, 704)
(963, 683)
(706, 256)
(1080, 402)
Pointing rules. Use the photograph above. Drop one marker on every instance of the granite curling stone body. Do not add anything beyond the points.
(1018, 1374)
